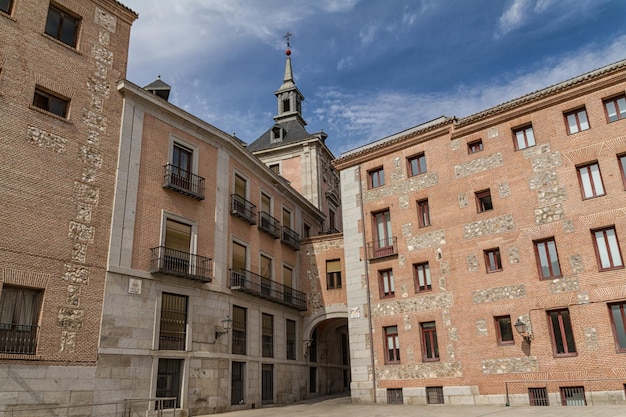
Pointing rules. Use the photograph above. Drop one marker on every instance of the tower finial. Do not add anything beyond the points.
(288, 36)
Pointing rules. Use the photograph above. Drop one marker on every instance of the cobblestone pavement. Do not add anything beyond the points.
(342, 407)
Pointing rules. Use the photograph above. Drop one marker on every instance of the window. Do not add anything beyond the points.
(333, 274)
(430, 348)
(62, 26)
(331, 221)
(385, 279)
(168, 382)
(239, 259)
(51, 102)
(275, 168)
(573, 396)
(417, 164)
(618, 319)
(547, 258)
(306, 230)
(181, 166)
(504, 330)
(493, 263)
(562, 335)
(590, 180)
(615, 108)
(19, 319)
(267, 335)
(394, 396)
(421, 275)
(6, 5)
(475, 146)
(483, 201)
(607, 249)
(576, 121)
(173, 325)
(239, 330)
(266, 272)
(290, 338)
(288, 283)
(524, 137)
(622, 166)
(376, 177)
(434, 395)
(237, 383)
(392, 345)
(383, 235)
(423, 213)
(538, 397)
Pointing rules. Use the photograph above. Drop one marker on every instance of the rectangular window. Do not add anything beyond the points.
(421, 275)
(306, 230)
(181, 174)
(290, 338)
(618, 320)
(50, 102)
(267, 336)
(590, 180)
(168, 383)
(547, 258)
(538, 397)
(573, 396)
(19, 319)
(275, 168)
(333, 274)
(386, 283)
(430, 347)
(177, 243)
(475, 146)
(62, 26)
(622, 166)
(239, 259)
(394, 396)
(493, 263)
(504, 330)
(392, 345)
(237, 379)
(239, 330)
(434, 395)
(483, 201)
(576, 121)
(383, 233)
(607, 249)
(173, 324)
(615, 108)
(561, 331)
(416, 164)
(524, 137)
(331, 220)
(423, 213)
(376, 177)
(5, 6)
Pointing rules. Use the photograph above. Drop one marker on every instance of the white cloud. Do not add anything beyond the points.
(358, 118)
(513, 17)
(368, 33)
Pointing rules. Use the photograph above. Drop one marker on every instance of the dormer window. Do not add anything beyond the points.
(277, 134)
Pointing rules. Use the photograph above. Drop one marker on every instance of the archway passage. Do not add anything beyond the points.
(328, 354)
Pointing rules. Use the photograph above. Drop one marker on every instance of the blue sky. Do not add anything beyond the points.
(367, 68)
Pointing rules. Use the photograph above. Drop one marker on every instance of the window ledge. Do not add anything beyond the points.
(20, 356)
(8, 16)
(63, 44)
(47, 113)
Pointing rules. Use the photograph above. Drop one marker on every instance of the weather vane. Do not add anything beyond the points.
(287, 36)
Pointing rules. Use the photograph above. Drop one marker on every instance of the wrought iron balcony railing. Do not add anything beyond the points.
(290, 238)
(382, 248)
(184, 182)
(18, 338)
(251, 283)
(242, 208)
(269, 225)
(183, 264)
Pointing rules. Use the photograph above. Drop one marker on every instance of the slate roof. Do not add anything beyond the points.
(294, 132)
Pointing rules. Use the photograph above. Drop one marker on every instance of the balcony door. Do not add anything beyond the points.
(181, 166)
(177, 245)
(382, 233)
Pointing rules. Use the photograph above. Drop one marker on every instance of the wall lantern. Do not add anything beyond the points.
(523, 331)
(226, 324)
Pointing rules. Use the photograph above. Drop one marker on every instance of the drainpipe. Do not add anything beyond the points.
(367, 284)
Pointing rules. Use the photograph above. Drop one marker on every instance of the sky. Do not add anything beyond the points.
(367, 68)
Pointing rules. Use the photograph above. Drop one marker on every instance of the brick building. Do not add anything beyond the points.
(468, 230)
(59, 131)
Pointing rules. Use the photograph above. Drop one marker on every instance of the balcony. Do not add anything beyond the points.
(258, 286)
(168, 261)
(242, 208)
(269, 225)
(382, 248)
(184, 182)
(290, 238)
(18, 338)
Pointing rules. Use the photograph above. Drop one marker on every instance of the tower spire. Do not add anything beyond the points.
(288, 95)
